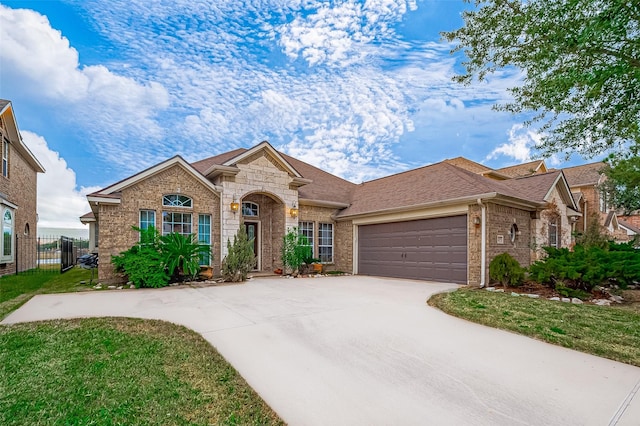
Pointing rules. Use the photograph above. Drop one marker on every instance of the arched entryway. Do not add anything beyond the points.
(263, 216)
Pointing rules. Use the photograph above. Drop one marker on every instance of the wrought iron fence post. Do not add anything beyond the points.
(17, 250)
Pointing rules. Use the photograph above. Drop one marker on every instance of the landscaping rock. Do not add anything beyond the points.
(514, 294)
(97, 286)
(112, 287)
(576, 301)
(556, 299)
(119, 287)
(617, 299)
(83, 282)
(132, 286)
(533, 296)
(500, 290)
(566, 300)
(601, 302)
(130, 283)
(490, 289)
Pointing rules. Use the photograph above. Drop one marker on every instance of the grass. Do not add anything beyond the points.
(111, 371)
(603, 331)
(16, 290)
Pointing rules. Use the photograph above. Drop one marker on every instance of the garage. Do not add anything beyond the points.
(426, 249)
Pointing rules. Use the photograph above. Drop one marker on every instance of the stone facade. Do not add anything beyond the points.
(20, 189)
(271, 229)
(115, 222)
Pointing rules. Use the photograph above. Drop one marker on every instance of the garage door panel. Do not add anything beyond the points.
(431, 249)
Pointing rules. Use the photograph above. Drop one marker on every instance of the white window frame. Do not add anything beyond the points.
(5, 157)
(8, 258)
(177, 200)
(173, 223)
(205, 261)
(307, 229)
(250, 209)
(322, 257)
(147, 222)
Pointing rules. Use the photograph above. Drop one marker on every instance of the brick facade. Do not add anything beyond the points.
(20, 189)
(342, 236)
(115, 221)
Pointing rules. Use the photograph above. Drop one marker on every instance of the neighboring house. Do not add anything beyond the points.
(585, 181)
(18, 196)
(440, 222)
(631, 230)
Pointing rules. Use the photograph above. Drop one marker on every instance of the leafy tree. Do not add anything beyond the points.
(581, 63)
(622, 185)
(240, 258)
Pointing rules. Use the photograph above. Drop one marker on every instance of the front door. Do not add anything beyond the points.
(252, 234)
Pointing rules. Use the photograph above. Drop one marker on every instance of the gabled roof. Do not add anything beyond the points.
(472, 166)
(538, 187)
(585, 175)
(440, 183)
(319, 186)
(611, 219)
(13, 134)
(525, 169)
(111, 194)
(629, 227)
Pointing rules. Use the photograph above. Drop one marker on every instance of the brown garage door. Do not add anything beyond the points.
(426, 249)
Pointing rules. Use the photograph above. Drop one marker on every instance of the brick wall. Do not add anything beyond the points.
(342, 236)
(500, 220)
(270, 221)
(115, 221)
(20, 189)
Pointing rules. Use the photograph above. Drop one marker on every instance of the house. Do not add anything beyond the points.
(585, 182)
(18, 197)
(439, 222)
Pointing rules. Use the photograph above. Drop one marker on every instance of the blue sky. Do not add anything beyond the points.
(103, 89)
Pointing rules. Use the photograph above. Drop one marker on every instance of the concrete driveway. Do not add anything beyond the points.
(369, 351)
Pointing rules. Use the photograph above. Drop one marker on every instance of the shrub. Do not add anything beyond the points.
(143, 263)
(181, 254)
(570, 292)
(295, 250)
(506, 270)
(240, 258)
(585, 267)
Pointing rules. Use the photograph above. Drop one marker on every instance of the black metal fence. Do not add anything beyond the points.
(36, 255)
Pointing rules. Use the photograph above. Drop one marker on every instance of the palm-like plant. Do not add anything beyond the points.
(182, 253)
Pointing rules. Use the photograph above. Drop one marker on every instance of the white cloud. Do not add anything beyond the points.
(60, 202)
(522, 146)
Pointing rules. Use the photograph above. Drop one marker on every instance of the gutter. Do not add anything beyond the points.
(483, 238)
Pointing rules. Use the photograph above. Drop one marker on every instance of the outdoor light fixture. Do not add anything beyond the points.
(476, 220)
(235, 206)
(294, 210)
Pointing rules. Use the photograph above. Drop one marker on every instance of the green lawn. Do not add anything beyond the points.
(113, 371)
(603, 331)
(110, 371)
(15, 290)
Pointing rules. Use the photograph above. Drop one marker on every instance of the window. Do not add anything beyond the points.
(177, 200)
(5, 157)
(176, 222)
(7, 235)
(306, 229)
(513, 233)
(204, 236)
(553, 233)
(147, 218)
(27, 231)
(325, 242)
(250, 209)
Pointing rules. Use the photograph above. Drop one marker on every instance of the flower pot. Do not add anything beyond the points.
(317, 268)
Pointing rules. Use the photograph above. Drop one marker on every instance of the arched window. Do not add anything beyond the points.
(7, 236)
(27, 231)
(250, 209)
(513, 233)
(177, 200)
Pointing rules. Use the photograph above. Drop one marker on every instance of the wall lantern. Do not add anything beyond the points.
(294, 210)
(235, 206)
(476, 220)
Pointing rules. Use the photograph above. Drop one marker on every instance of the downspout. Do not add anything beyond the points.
(483, 239)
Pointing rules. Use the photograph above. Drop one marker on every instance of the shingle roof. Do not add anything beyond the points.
(629, 226)
(465, 163)
(587, 174)
(324, 186)
(534, 187)
(438, 182)
(4, 103)
(520, 170)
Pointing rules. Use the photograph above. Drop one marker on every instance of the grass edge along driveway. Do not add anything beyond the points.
(120, 371)
(607, 332)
